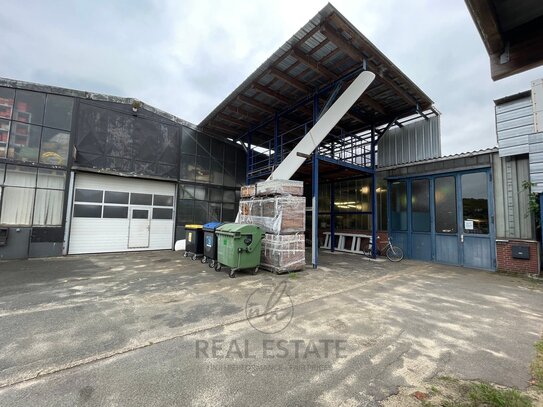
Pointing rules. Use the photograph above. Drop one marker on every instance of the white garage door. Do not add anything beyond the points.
(116, 214)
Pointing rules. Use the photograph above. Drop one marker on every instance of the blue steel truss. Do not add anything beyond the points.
(348, 150)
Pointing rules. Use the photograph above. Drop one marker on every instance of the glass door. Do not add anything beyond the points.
(446, 220)
(475, 225)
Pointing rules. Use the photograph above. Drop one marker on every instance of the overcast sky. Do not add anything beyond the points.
(186, 56)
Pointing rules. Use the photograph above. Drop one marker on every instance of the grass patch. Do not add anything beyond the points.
(537, 365)
(486, 395)
(457, 393)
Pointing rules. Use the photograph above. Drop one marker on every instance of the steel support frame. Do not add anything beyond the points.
(315, 193)
(306, 99)
(373, 196)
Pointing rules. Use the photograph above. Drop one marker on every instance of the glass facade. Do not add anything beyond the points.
(211, 173)
(31, 196)
(352, 202)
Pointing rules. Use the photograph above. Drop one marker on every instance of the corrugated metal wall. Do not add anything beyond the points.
(513, 219)
(414, 142)
(514, 124)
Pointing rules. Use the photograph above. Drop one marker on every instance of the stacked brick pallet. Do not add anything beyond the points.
(278, 207)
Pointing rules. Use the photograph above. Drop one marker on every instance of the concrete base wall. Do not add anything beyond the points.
(506, 262)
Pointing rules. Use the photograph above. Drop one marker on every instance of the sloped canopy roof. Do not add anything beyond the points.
(512, 32)
(326, 49)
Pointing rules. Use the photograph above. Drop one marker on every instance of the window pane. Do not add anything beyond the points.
(200, 193)
(188, 167)
(229, 196)
(24, 142)
(29, 107)
(58, 112)
(214, 212)
(445, 205)
(215, 172)
(87, 211)
(141, 199)
(18, 176)
(228, 212)
(48, 209)
(185, 212)
(202, 169)
(88, 195)
(7, 97)
(120, 212)
(215, 195)
(2, 172)
(188, 142)
(55, 145)
(187, 191)
(163, 200)
(116, 197)
(17, 206)
(475, 202)
(140, 214)
(162, 213)
(201, 214)
(4, 137)
(420, 205)
(51, 179)
(398, 202)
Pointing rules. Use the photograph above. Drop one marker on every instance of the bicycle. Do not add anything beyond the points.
(393, 253)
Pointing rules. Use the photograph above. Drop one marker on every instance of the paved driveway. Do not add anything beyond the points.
(158, 329)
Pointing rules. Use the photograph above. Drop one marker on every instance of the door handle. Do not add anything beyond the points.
(461, 238)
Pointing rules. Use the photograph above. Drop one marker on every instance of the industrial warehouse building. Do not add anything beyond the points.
(91, 173)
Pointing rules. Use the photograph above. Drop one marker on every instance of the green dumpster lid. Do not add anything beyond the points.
(237, 227)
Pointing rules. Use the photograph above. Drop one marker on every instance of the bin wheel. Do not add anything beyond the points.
(194, 257)
(255, 271)
(212, 264)
(218, 267)
(204, 260)
(185, 254)
(232, 273)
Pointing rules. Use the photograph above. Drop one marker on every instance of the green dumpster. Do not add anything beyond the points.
(238, 247)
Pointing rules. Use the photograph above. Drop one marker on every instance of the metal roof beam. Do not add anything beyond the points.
(357, 55)
(272, 93)
(255, 103)
(312, 63)
(290, 80)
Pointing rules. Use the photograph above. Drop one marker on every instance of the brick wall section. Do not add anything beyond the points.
(506, 262)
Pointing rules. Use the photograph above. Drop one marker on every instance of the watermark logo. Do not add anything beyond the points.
(270, 309)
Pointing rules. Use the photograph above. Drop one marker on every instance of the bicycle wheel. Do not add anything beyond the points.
(394, 253)
(367, 250)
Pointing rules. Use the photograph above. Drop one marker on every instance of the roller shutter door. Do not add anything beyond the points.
(117, 214)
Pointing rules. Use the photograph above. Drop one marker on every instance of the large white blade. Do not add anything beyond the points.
(324, 125)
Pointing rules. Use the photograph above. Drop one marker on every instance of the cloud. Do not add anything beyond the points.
(186, 57)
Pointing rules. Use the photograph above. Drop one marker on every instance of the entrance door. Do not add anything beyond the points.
(139, 231)
(475, 227)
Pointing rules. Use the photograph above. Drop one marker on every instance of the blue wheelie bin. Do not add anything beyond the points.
(210, 243)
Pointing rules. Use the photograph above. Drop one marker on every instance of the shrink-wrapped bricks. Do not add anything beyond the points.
(279, 187)
(283, 253)
(278, 215)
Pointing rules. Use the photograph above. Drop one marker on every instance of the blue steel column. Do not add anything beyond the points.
(315, 195)
(332, 217)
(373, 197)
(249, 157)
